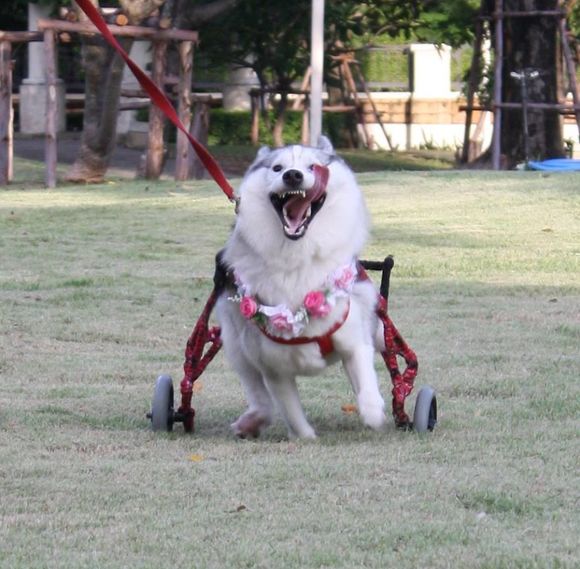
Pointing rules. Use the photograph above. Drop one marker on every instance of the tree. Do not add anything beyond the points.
(447, 21)
(103, 75)
(13, 15)
(532, 47)
(273, 38)
(529, 44)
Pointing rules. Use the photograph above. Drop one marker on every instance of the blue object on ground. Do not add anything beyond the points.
(556, 165)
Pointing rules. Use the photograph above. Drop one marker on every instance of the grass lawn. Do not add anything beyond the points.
(236, 159)
(99, 288)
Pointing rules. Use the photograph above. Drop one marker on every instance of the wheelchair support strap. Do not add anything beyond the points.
(196, 360)
(395, 346)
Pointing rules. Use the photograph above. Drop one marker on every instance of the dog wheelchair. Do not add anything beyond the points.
(205, 342)
(162, 415)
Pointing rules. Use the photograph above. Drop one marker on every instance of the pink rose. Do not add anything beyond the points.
(280, 323)
(345, 279)
(315, 304)
(248, 307)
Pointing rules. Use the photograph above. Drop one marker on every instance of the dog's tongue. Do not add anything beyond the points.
(297, 206)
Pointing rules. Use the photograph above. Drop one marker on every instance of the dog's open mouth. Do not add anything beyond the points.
(297, 207)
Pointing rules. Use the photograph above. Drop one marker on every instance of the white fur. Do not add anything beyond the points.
(280, 270)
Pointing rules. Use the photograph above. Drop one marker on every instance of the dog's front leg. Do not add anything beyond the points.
(284, 392)
(359, 366)
(259, 413)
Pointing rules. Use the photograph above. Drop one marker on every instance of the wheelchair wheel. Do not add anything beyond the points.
(425, 415)
(162, 415)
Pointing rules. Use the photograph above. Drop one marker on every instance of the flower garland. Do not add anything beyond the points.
(279, 320)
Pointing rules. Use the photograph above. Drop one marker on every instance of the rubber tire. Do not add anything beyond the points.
(162, 406)
(425, 415)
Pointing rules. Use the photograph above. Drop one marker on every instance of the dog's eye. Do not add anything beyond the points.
(277, 168)
(311, 167)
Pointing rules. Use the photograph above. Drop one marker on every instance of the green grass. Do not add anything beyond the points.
(99, 289)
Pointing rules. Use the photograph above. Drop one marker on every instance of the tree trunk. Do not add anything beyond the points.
(155, 156)
(5, 112)
(531, 44)
(103, 76)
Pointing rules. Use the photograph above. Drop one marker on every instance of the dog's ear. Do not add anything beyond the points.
(325, 145)
(262, 153)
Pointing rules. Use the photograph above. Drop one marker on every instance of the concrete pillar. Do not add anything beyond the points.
(33, 88)
(430, 85)
(236, 93)
(430, 70)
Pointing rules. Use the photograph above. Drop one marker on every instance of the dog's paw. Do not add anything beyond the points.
(250, 424)
(374, 417)
(306, 433)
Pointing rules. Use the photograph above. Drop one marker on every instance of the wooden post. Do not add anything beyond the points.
(571, 70)
(298, 101)
(376, 113)
(50, 148)
(155, 148)
(358, 105)
(199, 131)
(5, 112)
(183, 147)
(305, 133)
(255, 129)
(135, 32)
(498, 71)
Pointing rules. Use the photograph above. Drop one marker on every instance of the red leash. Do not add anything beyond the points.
(159, 98)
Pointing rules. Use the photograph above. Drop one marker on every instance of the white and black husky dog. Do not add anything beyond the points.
(295, 305)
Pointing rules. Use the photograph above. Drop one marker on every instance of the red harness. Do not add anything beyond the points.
(324, 342)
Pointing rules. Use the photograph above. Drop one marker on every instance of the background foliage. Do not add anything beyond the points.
(233, 127)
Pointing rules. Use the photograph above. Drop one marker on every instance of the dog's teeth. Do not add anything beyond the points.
(303, 194)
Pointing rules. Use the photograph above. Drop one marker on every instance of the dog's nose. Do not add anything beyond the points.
(293, 177)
